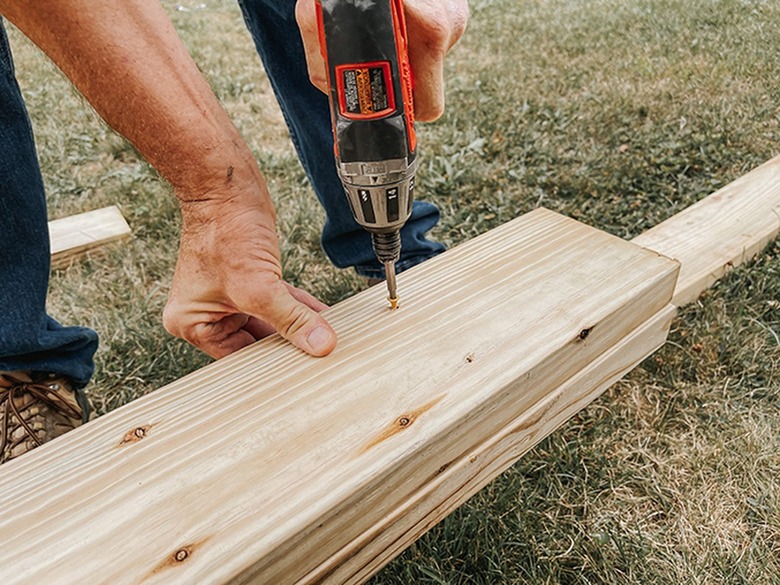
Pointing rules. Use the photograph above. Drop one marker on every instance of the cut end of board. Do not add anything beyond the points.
(73, 237)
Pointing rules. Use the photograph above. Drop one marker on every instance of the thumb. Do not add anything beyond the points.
(299, 323)
(433, 28)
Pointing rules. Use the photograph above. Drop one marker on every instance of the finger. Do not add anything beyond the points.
(428, 44)
(306, 16)
(306, 298)
(221, 337)
(433, 29)
(428, 71)
(295, 321)
(258, 328)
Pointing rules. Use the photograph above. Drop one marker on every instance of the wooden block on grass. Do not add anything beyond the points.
(721, 231)
(76, 235)
(274, 467)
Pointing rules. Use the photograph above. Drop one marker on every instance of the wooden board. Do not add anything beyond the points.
(721, 231)
(76, 235)
(270, 465)
(379, 544)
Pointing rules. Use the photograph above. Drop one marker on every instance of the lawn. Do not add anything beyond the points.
(618, 113)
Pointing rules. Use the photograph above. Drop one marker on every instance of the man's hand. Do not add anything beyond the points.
(228, 290)
(433, 27)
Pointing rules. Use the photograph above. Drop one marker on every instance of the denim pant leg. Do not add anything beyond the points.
(29, 338)
(275, 33)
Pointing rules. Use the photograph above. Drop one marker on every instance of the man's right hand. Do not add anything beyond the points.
(433, 27)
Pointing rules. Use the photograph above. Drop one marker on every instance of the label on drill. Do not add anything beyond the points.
(366, 90)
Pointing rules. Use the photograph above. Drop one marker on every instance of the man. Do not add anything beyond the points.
(227, 290)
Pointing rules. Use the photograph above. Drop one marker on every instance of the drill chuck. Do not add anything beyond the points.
(387, 246)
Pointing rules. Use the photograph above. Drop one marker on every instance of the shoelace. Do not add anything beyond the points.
(41, 393)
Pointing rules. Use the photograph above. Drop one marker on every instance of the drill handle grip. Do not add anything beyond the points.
(364, 45)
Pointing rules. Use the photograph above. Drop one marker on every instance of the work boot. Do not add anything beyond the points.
(37, 408)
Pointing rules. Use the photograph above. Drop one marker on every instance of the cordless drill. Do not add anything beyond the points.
(364, 46)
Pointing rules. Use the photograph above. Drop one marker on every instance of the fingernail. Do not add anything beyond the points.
(319, 338)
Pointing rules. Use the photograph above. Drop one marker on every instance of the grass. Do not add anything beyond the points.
(616, 112)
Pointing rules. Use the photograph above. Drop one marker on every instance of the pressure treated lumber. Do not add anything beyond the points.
(721, 231)
(274, 467)
(460, 480)
(76, 235)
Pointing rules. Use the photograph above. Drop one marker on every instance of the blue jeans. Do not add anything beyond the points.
(29, 338)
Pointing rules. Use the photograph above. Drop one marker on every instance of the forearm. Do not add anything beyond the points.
(126, 59)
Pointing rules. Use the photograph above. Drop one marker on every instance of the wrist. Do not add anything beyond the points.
(230, 191)
(221, 171)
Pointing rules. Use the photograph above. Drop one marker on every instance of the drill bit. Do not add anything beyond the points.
(392, 293)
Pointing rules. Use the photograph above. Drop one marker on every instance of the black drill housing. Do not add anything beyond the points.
(373, 121)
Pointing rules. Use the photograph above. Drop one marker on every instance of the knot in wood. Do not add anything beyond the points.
(181, 555)
(584, 333)
(135, 435)
(404, 421)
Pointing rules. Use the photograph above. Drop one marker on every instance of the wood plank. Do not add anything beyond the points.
(268, 465)
(721, 231)
(378, 545)
(74, 236)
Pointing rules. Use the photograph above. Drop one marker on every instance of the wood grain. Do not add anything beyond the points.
(274, 467)
(378, 545)
(74, 236)
(721, 231)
